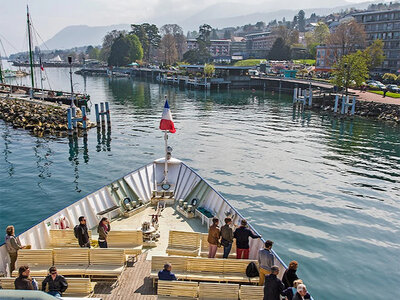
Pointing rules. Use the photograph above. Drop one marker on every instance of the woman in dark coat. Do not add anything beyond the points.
(290, 274)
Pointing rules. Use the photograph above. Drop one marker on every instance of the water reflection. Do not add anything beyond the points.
(7, 141)
(73, 143)
(103, 139)
(43, 154)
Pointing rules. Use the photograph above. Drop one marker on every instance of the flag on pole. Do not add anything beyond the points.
(166, 122)
(41, 67)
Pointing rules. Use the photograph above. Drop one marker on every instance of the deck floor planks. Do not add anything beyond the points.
(134, 283)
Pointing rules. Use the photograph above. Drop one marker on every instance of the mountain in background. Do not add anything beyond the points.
(81, 35)
(218, 16)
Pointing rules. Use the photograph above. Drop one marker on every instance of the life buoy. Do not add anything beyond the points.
(64, 223)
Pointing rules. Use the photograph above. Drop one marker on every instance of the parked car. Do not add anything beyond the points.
(393, 88)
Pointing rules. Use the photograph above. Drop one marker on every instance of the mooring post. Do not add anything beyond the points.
(108, 114)
(353, 106)
(69, 118)
(336, 104)
(102, 113)
(343, 104)
(310, 98)
(74, 124)
(84, 118)
(294, 95)
(96, 108)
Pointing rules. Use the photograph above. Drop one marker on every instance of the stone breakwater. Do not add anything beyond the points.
(40, 118)
(380, 111)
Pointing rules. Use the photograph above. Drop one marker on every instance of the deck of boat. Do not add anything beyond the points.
(134, 282)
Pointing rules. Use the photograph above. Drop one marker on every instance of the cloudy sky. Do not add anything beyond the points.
(50, 16)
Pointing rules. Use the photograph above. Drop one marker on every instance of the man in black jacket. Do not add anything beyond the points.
(81, 233)
(23, 281)
(242, 235)
(273, 285)
(57, 283)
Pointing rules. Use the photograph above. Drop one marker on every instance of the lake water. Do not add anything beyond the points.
(326, 191)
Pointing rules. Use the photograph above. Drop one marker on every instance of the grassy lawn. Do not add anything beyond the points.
(388, 94)
(305, 61)
(248, 62)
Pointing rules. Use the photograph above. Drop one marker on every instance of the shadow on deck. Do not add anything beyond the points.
(134, 283)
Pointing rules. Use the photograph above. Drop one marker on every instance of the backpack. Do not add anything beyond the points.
(76, 231)
(251, 270)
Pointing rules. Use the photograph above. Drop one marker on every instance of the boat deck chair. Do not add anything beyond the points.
(106, 262)
(218, 290)
(71, 261)
(168, 289)
(183, 243)
(38, 260)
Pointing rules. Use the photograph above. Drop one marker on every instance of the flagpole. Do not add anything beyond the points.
(166, 155)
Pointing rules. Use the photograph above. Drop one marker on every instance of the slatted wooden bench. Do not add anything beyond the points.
(38, 260)
(218, 290)
(130, 240)
(235, 270)
(167, 289)
(183, 243)
(77, 287)
(106, 262)
(64, 238)
(179, 266)
(220, 252)
(71, 261)
(205, 269)
(251, 292)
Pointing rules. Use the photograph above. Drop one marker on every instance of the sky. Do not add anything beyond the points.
(50, 16)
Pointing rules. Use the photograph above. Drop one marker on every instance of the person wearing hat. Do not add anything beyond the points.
(273, 286)
(242, 235)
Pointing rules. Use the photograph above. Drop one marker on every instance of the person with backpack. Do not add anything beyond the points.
(265, 261)
(227, 237)
(273, 286)
(81, 233)
(103, 229)
(242, 235)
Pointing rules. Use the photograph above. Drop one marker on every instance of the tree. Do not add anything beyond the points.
(168, 52)
(294, 37)
(209, 70)
(92, 52)
(108, 41)
(125, 49)
(148, 35)
(389, 77)
(321, 33)
(227, 34)
(282, 32)
(177, 32)
(301, 21)
(205, 33)
(349, 36)
(260, 25)
(191, 56)
(280, 50)
(351, 68)
(374, 54)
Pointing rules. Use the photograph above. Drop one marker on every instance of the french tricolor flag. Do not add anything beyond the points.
(166, 122)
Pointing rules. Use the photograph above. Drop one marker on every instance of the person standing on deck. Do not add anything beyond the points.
(81, 233)
(57, 283)
(213, 238)
(265, 261)
(166, 274)
(242, 235)
(273, 285)
(227, 237)
(103, 229)
(13, 245)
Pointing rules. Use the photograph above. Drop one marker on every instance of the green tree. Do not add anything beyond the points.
(389, 77)
(209, 70)
(321, 33)
(351, 68)
(374, 54)
(149, 37)
(108, 41)
(280, 50)
(92, 52)
(301, 20)
(125, 49)
(191, 56)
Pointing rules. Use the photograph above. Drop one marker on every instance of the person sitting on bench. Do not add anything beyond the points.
(166, 274)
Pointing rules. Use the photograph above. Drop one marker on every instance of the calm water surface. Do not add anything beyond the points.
(326, 191)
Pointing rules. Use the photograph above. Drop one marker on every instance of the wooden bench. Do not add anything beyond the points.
(177, 289)
(130, 240)
(179, 266)
(106, 262)
(251, 292)
(218, 291)
(205, 269)
(71, 261)
(183, 243)
(220, 252)
(38, 260)
(235, 270)
(77, 287)
(64, 238)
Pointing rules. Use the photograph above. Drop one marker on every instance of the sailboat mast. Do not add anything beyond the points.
(1, 71)
(30, 47)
